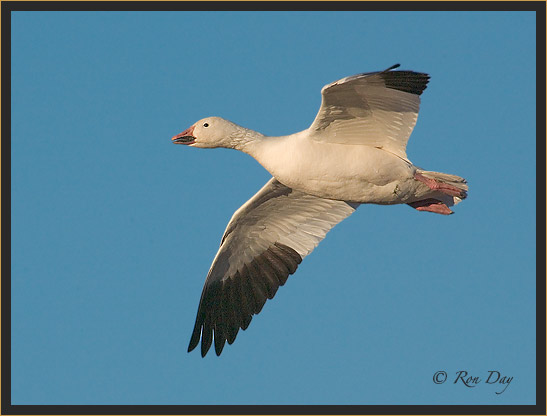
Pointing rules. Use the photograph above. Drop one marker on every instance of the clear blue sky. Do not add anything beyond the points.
(114, 227)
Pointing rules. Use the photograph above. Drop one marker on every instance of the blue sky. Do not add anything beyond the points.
(114, 227)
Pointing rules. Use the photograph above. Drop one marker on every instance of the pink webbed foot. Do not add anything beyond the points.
(440, 186)
(431, 205)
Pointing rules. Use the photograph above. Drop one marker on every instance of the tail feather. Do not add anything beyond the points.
(455, 181)
(441, 187)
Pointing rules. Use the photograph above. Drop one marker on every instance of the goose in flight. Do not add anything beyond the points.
(353, 153)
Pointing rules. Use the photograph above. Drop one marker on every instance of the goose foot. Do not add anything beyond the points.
(431, 205)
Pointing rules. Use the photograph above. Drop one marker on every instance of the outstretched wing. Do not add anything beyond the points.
(263, 244)
(377, 109)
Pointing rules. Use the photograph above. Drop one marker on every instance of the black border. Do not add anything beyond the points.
(374, 5)
(275, 410)
(8, 409)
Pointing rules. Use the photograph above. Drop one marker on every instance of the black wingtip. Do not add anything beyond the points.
(406, 81)
(206, 340)
(193, 343)
(219, 347)
(196, 333)
(392, 67)
(220, 338)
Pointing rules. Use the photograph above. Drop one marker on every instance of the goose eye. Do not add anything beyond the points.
(205, 124)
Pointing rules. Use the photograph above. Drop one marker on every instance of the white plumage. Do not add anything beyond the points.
(354, 152)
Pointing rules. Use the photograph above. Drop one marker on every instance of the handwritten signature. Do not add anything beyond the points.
(470, 381)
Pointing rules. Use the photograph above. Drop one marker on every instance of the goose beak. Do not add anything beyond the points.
(186, 137)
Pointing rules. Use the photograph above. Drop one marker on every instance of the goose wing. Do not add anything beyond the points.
(376, 109)
(263, 244)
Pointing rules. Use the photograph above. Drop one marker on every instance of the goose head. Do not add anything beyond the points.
(210, 132)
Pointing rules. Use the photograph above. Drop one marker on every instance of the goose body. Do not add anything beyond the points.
(353, 153)
(336, 171)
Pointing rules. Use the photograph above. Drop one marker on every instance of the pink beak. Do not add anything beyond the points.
(186, 137)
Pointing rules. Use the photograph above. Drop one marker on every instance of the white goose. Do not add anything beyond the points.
(353, 153)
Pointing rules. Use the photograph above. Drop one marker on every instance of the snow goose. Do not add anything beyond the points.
(353, 153)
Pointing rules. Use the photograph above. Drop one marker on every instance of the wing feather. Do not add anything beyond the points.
(378, 109)
(263, 244)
